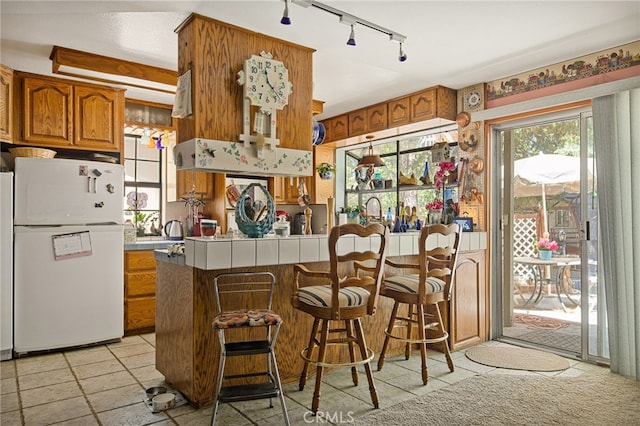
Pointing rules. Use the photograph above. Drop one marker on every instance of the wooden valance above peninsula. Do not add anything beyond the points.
(187, 350)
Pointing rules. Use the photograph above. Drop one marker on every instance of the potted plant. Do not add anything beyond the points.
(326, 170)
(354, 214)
(545, 248)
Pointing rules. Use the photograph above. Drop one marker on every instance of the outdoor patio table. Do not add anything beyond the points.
(538, 267)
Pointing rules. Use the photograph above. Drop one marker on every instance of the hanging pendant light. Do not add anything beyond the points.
(371, 159)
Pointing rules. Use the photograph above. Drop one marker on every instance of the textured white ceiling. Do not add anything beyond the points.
(451, 43)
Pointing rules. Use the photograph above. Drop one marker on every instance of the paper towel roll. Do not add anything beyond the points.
(342, 218)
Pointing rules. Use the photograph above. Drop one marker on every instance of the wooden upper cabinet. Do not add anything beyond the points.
(336, 128)
(357, 122)
(368, 120)
(47, 108)
(98, 123)
(6, 104)
(399, 112)
(376, 118)
(423, 105)
(61, 113)
(201, 182)
(430, 103)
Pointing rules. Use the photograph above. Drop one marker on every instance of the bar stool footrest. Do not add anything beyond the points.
(248, 392)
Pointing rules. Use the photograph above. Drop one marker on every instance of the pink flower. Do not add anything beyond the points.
(545, 244)
(436, 204)
(444, 167)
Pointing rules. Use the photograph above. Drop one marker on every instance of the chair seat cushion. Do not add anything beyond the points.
(410, 284)
(320, 295)
(246, 318)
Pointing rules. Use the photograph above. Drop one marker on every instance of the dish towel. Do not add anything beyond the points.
(182, 103)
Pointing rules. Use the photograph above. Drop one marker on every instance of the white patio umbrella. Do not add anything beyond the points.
(547, 174)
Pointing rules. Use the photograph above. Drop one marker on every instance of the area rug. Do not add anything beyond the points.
(602, 399)
(539, 323)
(517, 358)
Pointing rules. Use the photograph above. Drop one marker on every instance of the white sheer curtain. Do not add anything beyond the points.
(616, 124)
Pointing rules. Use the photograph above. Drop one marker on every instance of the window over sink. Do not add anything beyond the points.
(142, 185)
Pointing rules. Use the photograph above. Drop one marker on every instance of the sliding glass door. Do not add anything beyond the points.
(548, 251)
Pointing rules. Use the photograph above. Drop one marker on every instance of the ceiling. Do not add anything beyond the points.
(449, 43)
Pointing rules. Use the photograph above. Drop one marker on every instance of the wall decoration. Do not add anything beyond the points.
(599, 64)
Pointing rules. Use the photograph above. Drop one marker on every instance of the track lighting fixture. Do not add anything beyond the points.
(352, 37)
(403, 56)
(348, 19)
(285, 16)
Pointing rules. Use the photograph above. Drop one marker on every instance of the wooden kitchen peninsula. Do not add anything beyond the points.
(187, 349)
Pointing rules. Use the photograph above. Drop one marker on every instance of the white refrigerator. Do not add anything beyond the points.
(6, 266)
(68, 253)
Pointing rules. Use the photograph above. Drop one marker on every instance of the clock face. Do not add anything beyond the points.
(473, 99)
(266, 82)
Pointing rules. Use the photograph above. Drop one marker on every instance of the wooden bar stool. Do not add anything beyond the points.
(347, 298)
(431, 286)
(243, 302)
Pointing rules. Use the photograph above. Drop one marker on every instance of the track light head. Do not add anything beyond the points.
(403, 56)
(352, 37)
(285, 16)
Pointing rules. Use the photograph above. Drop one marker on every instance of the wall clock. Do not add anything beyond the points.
(266, 90)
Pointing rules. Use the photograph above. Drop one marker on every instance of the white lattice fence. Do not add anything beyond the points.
(524, 231)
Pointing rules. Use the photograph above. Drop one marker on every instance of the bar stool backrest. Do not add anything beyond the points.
(243, 290)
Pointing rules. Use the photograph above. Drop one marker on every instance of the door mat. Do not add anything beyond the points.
(535, 322)
(557, 340)
(517, 358)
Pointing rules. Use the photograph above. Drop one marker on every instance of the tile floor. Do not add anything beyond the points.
(104, 385)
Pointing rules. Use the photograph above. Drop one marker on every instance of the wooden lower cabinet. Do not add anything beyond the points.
(139, 292)
(468, 301)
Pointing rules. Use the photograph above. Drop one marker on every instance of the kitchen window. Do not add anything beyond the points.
(142, 185)
(399, 182)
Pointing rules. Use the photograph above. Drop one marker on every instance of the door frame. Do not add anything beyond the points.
(501, 264)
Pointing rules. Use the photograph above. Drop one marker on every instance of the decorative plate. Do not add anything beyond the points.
(469, 140)
(318, 132)
(473, 99)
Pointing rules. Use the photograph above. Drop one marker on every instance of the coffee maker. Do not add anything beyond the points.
(299, 223)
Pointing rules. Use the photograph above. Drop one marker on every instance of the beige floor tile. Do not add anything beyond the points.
(80, 421)
(46, 378)
(126, 341)
(151, 338)
(259, 409)
(85, 371)
(116, 398)
(7, 369)
(137, 414)
(137, 361)
(133, 349)
(56, 411)
(89, 356)
(148, 375)
(9, 402)
(12, 418)
(44, 395)
(8, 385)
(227, 415)
(40, 363)
(106, 382)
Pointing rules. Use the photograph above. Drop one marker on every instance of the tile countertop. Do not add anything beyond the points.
(222, 253)
(150, 243)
